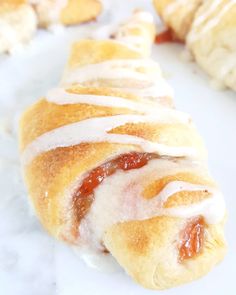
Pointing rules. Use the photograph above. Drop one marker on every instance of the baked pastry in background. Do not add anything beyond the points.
(209, 29)
(19, 18)
(18, 24)
(212, 41)
(178, 15)
(65, 12)
(115, 171)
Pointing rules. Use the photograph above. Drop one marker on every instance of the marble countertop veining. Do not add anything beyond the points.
(33, 263)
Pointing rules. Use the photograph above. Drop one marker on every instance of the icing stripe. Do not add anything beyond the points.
(143, 16)
(127, 45)
(201, 18)
(194, 35)
(114, 69)
(95, 130)
(212, 208)
(173, 5)
(151, 82)
(61, 97)
(157, 90)
(124, 33)
(134, 40)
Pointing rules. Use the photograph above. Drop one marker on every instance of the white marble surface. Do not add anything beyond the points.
(31, 262)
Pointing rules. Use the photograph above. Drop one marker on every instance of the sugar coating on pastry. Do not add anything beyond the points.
(65, 12)
(17, 24)
(212, 41)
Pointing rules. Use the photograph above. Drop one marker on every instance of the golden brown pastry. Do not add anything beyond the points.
(115, 171)
(209, 29)
(66, 12)
(17, 24)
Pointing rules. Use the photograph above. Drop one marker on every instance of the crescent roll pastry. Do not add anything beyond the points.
(115, 171)
(17, 24)
(209, 29)
(66, 12)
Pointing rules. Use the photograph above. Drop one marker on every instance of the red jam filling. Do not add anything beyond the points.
(84, 195)
(166, 36)
(192, 239)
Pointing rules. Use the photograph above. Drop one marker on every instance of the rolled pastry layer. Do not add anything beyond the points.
(114, 170)
(209, 29)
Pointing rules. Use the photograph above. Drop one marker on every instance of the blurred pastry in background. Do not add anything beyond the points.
(18, 24)
(178, 15)
(209, 30)
(19, 18)
(65, 12)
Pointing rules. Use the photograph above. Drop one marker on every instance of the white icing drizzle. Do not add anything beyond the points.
(97, 260)
(173, 5)
(195, 34)
(113, 69)
(62, 97)
(123, 31)
(150, 83)
(96, 130)
(212, 208)
(136, 22)
(143, 16)
(129, 45)
(160, 89)
(135, 42)
(202, 17)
